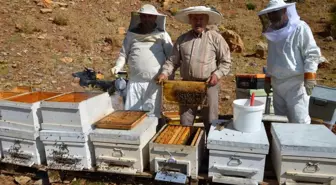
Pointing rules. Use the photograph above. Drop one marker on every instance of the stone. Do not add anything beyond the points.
(53, 81)
(261, 49)
(234, 41)
(22, 179)
(60, 4)
(329, 39)
(45, 10)
(226, 97)
(42, 36)
(39, 182)
(67, 60)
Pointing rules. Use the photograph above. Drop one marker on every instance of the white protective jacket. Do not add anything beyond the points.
(145, 55)
(295, 55)
(288, 60)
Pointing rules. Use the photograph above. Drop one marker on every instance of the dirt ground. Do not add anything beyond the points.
(42, 50)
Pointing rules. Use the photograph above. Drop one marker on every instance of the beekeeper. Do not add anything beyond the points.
(145, 49)
(202, 55)
(293, 57)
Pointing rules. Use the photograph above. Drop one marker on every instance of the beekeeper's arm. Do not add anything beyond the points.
(172, 63)
(167, 45)
(311, 55)
(223, 57)
(124, 51)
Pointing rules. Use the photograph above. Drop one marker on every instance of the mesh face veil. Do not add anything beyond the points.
(276, 25)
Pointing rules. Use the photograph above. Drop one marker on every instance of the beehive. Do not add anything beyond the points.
(303, 153)
(182, 144)
(236, 157)
(75, 111)
(24, 109)
(123, 151)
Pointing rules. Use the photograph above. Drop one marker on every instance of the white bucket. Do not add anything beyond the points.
(247, 118)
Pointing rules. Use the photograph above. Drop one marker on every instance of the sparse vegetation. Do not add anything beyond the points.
(28, 25)
(173, 11)
(250, 6)
(61, 20)
(333, 21)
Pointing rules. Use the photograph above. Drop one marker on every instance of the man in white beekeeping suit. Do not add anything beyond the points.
(145, 49)
(293, 58)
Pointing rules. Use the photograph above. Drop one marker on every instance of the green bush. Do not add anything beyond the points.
(250, 6)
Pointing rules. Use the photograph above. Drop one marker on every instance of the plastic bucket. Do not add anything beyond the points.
(247, 118)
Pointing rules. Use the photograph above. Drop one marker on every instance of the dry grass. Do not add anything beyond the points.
(28, 25)
(61, 20)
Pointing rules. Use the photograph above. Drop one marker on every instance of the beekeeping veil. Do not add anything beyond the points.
(148, 9)
(275, 35)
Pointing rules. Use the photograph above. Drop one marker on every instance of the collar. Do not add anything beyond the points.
(198, 35)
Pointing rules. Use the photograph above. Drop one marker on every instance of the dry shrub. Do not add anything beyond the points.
(28, 25)
(173, 11)
(61, 20)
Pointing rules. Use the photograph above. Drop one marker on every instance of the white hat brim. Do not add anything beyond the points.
(150, 13)
(183, 16)
(275, 8)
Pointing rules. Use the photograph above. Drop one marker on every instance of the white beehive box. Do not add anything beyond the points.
(23, 110)
(236, 157)
(5, 95)
(21, 147)
(304, 153)
(184, 159)
(75, 111)
(67, 150)
(123, 151)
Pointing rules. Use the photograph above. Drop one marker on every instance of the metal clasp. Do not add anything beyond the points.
(311, 167)
(171, 158)
(120, 152)
(234, 161)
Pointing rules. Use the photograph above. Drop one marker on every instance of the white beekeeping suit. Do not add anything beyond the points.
(144, 54)
(292, 62)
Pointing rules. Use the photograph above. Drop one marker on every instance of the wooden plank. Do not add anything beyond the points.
(179, 135)
(196, 137)
(176, 132)
(184, 138)
(121, 120)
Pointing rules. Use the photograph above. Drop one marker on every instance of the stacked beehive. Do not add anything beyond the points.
(236, 157)
(182, 144)
(19, 128)
(121, 143)
(67, 121)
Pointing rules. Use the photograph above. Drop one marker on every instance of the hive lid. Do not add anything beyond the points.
(229, 139)
(304, 140)
(140, 134)
(121, 119)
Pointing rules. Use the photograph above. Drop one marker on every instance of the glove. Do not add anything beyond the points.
(115, 70)
(267, 85)
(309, 82)
(119, 65)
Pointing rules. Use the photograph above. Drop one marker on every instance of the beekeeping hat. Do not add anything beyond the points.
(148, 9)
(275, 5)
(215, 17)
(279, 29)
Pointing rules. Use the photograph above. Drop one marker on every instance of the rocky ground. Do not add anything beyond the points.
(42, 44)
